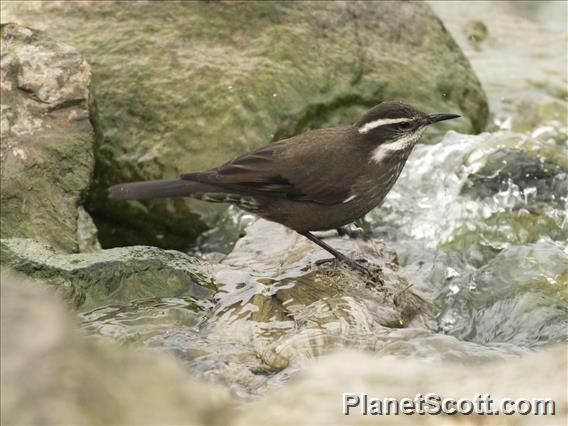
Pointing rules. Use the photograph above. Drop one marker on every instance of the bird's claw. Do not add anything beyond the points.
(353, 264)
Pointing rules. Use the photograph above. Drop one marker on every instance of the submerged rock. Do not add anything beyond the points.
(47, 140)
(537, 167)
(115, 276)
(520, 184)
(52, 374)
(206, 81)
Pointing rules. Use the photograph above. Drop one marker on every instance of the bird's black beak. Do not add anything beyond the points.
(434, 118)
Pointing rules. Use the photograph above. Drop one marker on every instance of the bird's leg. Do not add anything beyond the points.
(338, 255)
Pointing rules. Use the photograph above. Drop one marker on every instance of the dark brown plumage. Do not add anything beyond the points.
(318, 180)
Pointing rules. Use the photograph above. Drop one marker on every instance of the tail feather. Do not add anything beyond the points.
(157, 189)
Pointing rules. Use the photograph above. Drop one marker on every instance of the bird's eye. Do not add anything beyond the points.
(404, 126)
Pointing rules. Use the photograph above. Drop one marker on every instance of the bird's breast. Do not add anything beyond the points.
(371, 189)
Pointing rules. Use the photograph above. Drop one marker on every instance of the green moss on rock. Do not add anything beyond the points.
(187, 85)
(47, 140)
(116, 276)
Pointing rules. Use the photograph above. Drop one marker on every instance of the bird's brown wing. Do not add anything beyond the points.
(280, 170)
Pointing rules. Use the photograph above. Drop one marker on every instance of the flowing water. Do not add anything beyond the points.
(478, 222)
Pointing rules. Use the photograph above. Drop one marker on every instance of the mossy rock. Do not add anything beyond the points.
(113, 276)
(47, 140)
(187, 85)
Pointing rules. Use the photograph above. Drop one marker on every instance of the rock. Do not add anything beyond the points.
(534, 162)
(47, 140)
(52, 374)
(476, 31)
(261, 282)
(526, 286)
(114, 276)
(87, 232)
(517, 297)
(521, 63)
(529, 172)
(287, 263)
(316, 396)
(522, 179)
(91, 382)
(201, 85)
(481, 241)
(275, 310)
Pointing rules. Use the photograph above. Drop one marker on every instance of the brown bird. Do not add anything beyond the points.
(318, 180)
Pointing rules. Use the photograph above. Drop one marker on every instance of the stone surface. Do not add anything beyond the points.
(537, 166)
(520, 59)
(52, 374)
(522, 178)
(47, 140)
(316, 396)
(113, 276)
(188, 85)
(275, 310)
(283, 279)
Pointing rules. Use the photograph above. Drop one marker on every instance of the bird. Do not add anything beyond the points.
(318, 180)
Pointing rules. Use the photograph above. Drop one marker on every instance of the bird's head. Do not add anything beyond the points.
(396, 126)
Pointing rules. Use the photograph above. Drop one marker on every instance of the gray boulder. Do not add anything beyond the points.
(186, 86)
(47, 140)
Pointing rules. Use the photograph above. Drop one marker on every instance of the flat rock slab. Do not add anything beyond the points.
(114, 276)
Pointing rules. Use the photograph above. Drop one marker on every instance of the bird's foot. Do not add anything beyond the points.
(353, 264)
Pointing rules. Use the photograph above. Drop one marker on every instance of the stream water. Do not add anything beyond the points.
(478, 222)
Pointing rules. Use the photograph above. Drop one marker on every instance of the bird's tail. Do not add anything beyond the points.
(157, 189)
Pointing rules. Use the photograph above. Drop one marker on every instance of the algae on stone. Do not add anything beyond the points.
(114, 276)
(47, 140)
(188, 85)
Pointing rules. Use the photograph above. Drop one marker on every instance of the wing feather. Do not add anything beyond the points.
(279, 170)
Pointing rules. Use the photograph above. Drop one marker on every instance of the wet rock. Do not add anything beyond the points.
(520, 183)
(480, 241)
(47, 140)
(202, 85)
(265, 281)
(275, 310)
(315, 397)
(540, 178)
(115, 276)
(51, 374)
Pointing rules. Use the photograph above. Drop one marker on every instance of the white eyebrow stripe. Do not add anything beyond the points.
(389, 148)
(381, 122)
